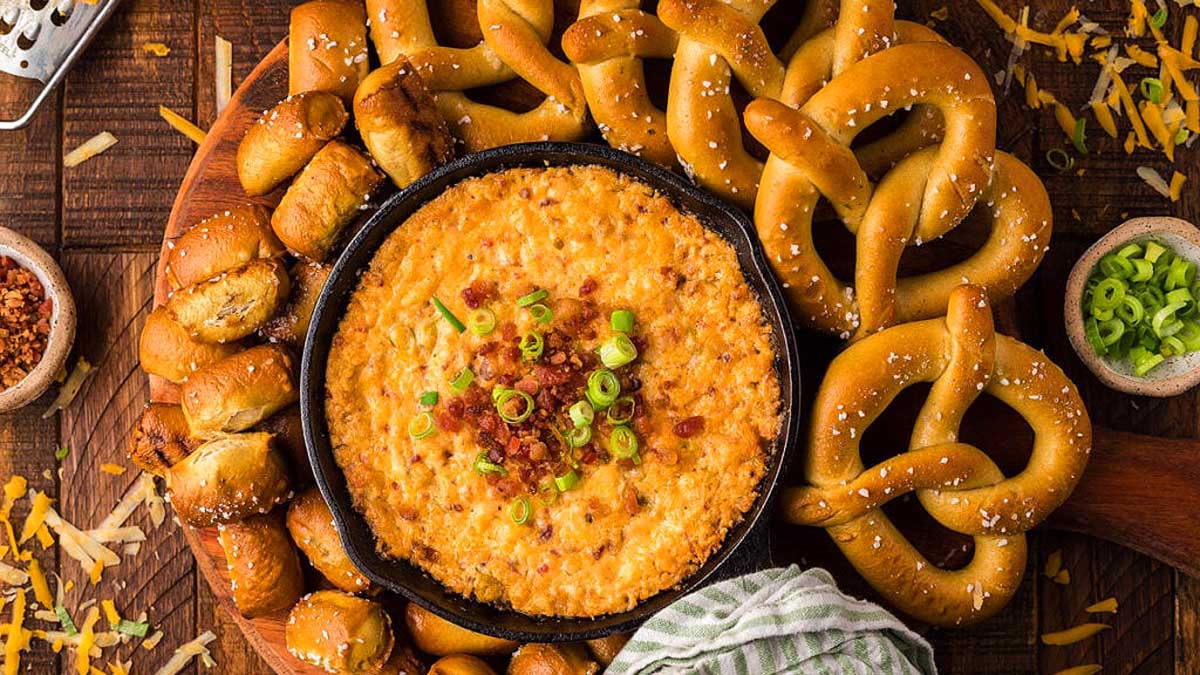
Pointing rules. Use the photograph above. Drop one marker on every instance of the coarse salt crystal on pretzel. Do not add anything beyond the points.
(959, 485)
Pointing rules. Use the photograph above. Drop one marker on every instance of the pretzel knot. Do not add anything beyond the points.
(515, 34)
(956, 483)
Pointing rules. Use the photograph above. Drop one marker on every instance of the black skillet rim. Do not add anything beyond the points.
(745, 546)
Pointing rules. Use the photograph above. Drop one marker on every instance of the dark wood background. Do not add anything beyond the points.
(104, 221)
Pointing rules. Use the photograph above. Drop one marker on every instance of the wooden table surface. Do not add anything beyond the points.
(104, 222)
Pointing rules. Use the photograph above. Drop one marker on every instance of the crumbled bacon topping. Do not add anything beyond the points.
(25, 313)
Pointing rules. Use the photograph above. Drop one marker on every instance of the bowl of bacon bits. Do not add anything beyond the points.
(37, 320)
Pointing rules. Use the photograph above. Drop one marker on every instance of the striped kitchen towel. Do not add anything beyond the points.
(775, 621)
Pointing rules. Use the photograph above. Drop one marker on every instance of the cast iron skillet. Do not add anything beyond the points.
(746, 546)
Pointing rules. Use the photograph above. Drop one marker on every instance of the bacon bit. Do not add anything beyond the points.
(479, 292)
(588, 286)
(632, 505)
(689, 427)
(1072, 635)
(1106, 605)
(940, 14)
(528, 384)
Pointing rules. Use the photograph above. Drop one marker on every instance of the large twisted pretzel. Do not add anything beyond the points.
(923, 198)
(956, 483)
(515, 34)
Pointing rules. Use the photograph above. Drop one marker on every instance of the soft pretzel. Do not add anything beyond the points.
(264, 570)
(340, 633)
(220, 243)
(286, 137)
(160, 439)
(956, 483)
(434, 635)
(239, 391)
(233, 304)
(166, 349)
(327, 47)
(227, 479)
(310, 523)
(608, 44)
(515, 34)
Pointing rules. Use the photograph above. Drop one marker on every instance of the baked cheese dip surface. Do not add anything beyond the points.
(553, 390)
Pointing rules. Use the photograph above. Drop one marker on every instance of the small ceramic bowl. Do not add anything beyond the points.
(32, 257)
(1173, 376)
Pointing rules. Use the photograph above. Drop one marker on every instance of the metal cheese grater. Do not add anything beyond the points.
(40, 40)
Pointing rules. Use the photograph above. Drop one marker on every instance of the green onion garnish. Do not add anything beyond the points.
(582, 414)
(520, 510)
(1182, 135)
(603, 388)
(135, 628)
(617, 351)
(1159, 18)
(1152, 89)
(1080, 136)
(448, 315)
(1059, 159)
(64, 618)
(541, 313)
(623, 443)
(421, 425)
(462, 380)
(622, 321)
(484, 466)
(514, 405)
(62, 453)
(429, 399)
(547, 493)
(621, 411)
(481, 321)
(579, 436)
(536, 296)
(567, 481)
(531, 346)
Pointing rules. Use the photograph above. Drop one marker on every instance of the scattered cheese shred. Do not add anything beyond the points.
(1063, 577)
(117, 535)
(36, 518)
(223, 72)
(15, 640)
(184, 655)
(41, 589)
(1089, 669)
(1053, 563)
(14, 488)
(70, 388)
(1072, 635)
(1106, 605)
(87, 639)
(1155, 180)
(12, 576)
(112, 469)
(96, 572)
(181, 124)
(44, 537)
(110, 612)
(1176, 187)
(152, 641)
(156, 48)
(89, 149)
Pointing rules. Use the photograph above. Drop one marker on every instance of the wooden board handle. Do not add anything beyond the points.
(1142, 492)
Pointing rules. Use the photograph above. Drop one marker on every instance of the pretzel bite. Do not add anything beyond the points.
(460, 664)
(289, 438)
(544, 659)
(400, 123)
(605, 649)
(233, 304)
(240, 391)
(221, 243)
(167, 350)
(228, 479)
(264, 569)
(286, 137)
(161, 439)
(324, 198)
(292, 324)
(435, 635)
(311, 524)
(327, 47)
(340, 633)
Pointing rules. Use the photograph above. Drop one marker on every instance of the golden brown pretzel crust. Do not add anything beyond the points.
(327, 47)
(240, 391)
(160, 439)
(435, 635)
(340, 633)
(227, 479)
(166, 349)
(310, 523)
(220, 243)
(233, 304)
(286, 137)
(957, 484)
(264, 570)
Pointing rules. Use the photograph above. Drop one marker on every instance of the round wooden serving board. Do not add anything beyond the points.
(1138, 491)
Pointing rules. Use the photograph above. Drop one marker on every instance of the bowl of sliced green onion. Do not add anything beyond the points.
(1133, 307)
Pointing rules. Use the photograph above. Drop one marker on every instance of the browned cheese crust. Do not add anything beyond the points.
(625, 532)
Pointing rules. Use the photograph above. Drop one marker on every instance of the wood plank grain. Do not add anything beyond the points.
(113, 294)
(30, 168)
(1187, 624)
(122, 197)
(253, 28)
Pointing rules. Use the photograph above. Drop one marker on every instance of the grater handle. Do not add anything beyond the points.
(23, 121)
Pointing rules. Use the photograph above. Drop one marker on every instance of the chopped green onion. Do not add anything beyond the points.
(621, 411)
(582, 414)
(1164, 322)
(1154, 250)
(1171, 346)
(1080, 136)
(484, 466)
(1143, 270)
(61, 453)
(135, 628)
(567, 481)
(1129, 251)
(509, 411)
(1131, 310)
(603, 388)
(536, 296)
(462, 380)
(64, 618)
(421, 425)
(1159, 18)
(531, 346)
(622, 321)
(1108, 294)
(1116, 267)
(623, 443)
(429, 398)
(1059, 159)
(1111, 331)
(1145, 365)
(1152, 89)
(547, 493)
(617, 351)
(448, 315)
(579, 436)
(541, 313)
(520, 510)
(481, 321)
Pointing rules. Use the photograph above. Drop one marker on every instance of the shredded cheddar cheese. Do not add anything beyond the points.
(87, 639)
(1106, 605)
(15, 642)
(181, 124)
(1072, 635)
(95, 573)
(156, 48)
(110, 612)
(1089, 669)
(36, 518)
(41, 589)
(112, 469)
